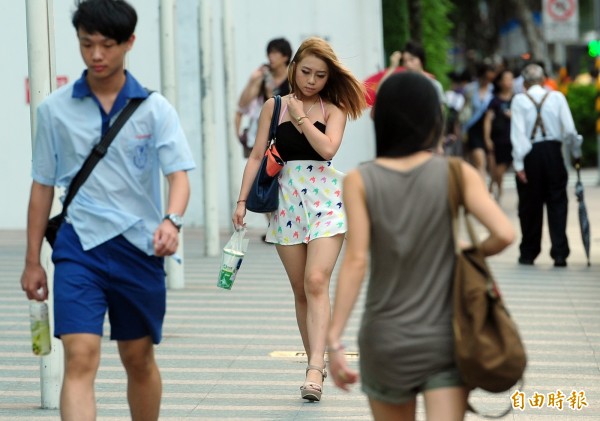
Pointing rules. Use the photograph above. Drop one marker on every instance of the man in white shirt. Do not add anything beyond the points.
(541, 121)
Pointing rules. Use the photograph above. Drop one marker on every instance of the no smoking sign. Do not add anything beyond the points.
(560, 20)
(561, 10)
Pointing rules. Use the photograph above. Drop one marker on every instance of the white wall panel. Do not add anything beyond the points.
(352, 26)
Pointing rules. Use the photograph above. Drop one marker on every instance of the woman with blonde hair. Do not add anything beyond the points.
(309, 225)
(399, 215)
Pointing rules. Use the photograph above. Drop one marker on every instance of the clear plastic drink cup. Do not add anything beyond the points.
(40, 328)
(230, 263)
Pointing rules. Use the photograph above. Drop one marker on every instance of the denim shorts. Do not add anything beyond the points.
(116, 277)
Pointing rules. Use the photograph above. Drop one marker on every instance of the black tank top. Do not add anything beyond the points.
(293, 145)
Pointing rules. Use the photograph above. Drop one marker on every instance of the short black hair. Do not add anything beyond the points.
(483, 67)
(417, 50)
(115, 19)
(281, 45)
(465, 76)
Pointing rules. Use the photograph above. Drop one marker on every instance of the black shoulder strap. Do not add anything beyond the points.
(274, 120)
(100, 150)
(539, 123)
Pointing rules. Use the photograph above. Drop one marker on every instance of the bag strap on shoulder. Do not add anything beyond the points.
(457, 200)
(454, 185)
(274, 120)
(100, 150)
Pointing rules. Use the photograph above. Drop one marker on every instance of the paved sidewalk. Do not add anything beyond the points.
(237, 355)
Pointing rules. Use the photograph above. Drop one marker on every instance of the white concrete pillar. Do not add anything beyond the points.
(234, 150)
(168, 78)
(211, 168)
(42, 81)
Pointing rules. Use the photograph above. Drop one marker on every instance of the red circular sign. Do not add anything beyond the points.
(561, 9)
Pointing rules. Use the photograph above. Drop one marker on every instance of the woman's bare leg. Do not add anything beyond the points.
(294, 262)
(383, 411)
(478, 160)
(446, 404)
(310, 284)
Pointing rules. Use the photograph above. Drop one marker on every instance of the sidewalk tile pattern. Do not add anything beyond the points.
(219, 356)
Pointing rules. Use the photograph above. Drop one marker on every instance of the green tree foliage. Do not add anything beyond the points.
(581, 99)
(435, 27)
(395, 25)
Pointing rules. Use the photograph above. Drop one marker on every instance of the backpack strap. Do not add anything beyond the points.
(539, 123)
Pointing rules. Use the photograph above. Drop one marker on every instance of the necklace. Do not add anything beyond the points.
(311, 107)
(299, 119)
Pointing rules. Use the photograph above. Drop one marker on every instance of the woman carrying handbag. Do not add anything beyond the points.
(309, 225)
(399, 221)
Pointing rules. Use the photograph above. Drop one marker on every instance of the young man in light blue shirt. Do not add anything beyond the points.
(108, 255)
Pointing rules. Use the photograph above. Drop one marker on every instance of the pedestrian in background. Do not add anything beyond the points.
(496, 131)
(455, 101)
(108, 254)
(412, 59)
(478, 95)
(309, 225)
(400, 225)
(541, 121)
(268, 80)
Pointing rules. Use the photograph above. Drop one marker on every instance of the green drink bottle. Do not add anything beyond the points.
(40, 328)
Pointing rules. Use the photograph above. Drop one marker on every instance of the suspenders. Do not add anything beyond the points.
(538, 121)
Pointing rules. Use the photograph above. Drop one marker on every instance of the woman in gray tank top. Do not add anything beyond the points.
(398, 213)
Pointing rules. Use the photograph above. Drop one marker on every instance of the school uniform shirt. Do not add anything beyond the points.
(479, 105)
(123, 193)
(556, 117)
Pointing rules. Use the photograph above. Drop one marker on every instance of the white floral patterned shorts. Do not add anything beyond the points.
(310, 203)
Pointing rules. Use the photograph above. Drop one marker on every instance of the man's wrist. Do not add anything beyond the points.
(518, 165)
(175, 219)
(32, 262)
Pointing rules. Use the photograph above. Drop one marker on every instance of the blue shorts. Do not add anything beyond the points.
(114, 276)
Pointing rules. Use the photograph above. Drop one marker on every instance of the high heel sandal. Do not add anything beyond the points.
(310, 390)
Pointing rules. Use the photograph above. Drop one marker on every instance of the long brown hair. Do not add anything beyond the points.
(342, 88)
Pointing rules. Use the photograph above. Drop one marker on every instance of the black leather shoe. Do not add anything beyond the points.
(524, 261)
(560, 263)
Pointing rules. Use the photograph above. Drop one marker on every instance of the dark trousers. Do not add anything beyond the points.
(546, 184)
